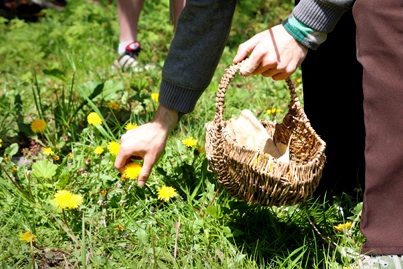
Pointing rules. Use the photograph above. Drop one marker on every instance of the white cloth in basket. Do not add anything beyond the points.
(249, 132)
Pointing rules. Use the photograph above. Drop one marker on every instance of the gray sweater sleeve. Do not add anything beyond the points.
(321, 15)
(195, 51)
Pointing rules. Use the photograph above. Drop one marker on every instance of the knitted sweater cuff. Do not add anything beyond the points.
(304, 34)
(177, 98)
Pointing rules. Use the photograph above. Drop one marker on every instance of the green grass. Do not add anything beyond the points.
(59, 70)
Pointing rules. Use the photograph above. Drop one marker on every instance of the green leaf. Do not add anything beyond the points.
(11, 150)
(55, 72)
(64, 179)
(44, 169)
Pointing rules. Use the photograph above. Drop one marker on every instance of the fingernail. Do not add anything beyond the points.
(141, 183)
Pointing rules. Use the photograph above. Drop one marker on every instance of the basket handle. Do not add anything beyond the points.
(228, 76)
(216, 130)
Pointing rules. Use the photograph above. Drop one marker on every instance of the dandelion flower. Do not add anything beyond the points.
(113, 106)
(14, 170)
(165, 193)
(114, 147)
(130, 126)
(47, 151)
(70, 155)
(189, 142)
(1, 141)
(56, 158)
(132, 171)
(99, 150)
(27, 237)
(155, 96)
(66, 199)
(342, 226)
(38, 126)
(273, 111)
(94, 119)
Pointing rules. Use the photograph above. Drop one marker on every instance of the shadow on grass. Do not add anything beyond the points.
(264, 236)
(302, 235)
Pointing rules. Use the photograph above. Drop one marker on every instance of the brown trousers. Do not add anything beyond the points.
(341, 93)
(380, 51)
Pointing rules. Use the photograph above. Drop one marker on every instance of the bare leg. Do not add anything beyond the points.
(129, 14)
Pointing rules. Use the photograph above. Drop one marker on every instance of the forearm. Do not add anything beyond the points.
(195, 51)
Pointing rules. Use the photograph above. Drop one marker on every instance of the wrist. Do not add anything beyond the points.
(166, 118)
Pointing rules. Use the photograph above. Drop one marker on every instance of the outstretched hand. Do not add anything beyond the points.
(273, 53)
(146, 142)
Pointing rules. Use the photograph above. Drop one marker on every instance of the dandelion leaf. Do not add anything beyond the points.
(44, 169)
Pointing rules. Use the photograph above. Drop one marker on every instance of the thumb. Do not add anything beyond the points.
(248, 67)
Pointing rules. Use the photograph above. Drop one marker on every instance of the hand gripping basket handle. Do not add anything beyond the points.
(294, 106)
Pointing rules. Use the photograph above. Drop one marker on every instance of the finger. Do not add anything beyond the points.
(243, 51)
(145, 170)
(121, 160)
(245, 48)
(270, 72)
(281, 76)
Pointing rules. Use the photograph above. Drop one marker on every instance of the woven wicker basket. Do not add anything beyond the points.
(258, 178)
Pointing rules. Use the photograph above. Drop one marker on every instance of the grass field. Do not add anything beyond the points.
(64, 205)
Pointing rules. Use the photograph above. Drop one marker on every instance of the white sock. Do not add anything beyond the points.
(122, 46)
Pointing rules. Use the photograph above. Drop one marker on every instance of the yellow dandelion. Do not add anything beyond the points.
(155, 96)
(94, 119)
(99, 150)
(114, 147)
(70, 155)
(65, 199)
(38, 126)
(165, 193)
(56, 158)
(130, 126)
(343, 226)
(113, 106)
(189, 142)
(132, 171)
(273, 111)
(1, 141)
(103, 192)
(120, 227)
(299, 80)
(48, 151)
(27, 237)
(14, 170)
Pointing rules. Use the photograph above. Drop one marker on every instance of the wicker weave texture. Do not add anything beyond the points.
(256, 177)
